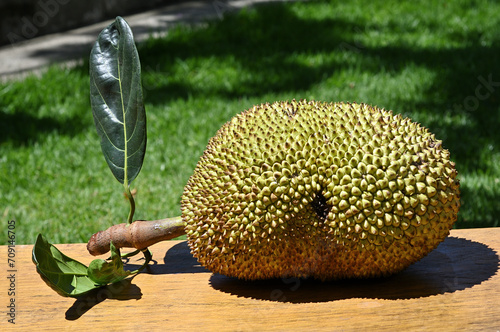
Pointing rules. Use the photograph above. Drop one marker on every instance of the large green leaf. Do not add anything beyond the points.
(116, 99)
(65, 275)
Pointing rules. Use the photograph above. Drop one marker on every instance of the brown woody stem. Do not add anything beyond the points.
(140, 234)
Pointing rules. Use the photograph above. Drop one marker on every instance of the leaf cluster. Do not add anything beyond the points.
(69, 277)
(120, 119)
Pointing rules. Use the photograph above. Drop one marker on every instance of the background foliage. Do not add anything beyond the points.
(428, 60)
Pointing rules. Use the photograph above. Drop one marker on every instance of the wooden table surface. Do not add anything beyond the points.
(456, 287)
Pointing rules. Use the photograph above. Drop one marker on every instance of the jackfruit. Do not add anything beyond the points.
(320, 190)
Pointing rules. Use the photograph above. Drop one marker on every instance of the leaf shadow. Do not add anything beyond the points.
(457, 264)
(121, 291)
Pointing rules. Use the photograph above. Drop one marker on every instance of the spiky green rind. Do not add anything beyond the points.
(323, 190)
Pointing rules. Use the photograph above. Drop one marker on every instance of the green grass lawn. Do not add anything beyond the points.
(428, 60)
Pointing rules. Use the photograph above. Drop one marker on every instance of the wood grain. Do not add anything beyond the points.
(456, 287)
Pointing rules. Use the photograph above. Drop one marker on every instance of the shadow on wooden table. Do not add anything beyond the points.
(123, 290)
(178, 259)
(456, 264)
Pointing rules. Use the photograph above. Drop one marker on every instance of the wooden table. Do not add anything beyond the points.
(456, 287)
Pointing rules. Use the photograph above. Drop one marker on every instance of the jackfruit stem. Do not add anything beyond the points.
(140, 234)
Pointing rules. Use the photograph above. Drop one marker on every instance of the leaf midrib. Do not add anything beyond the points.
(125, 140)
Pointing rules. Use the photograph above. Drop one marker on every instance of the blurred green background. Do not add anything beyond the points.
(436, 62)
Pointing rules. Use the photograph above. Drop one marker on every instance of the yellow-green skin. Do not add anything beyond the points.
(323, 190)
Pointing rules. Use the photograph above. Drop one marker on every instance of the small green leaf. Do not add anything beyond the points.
(65, 275)
(103, 272)
(117, 101)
